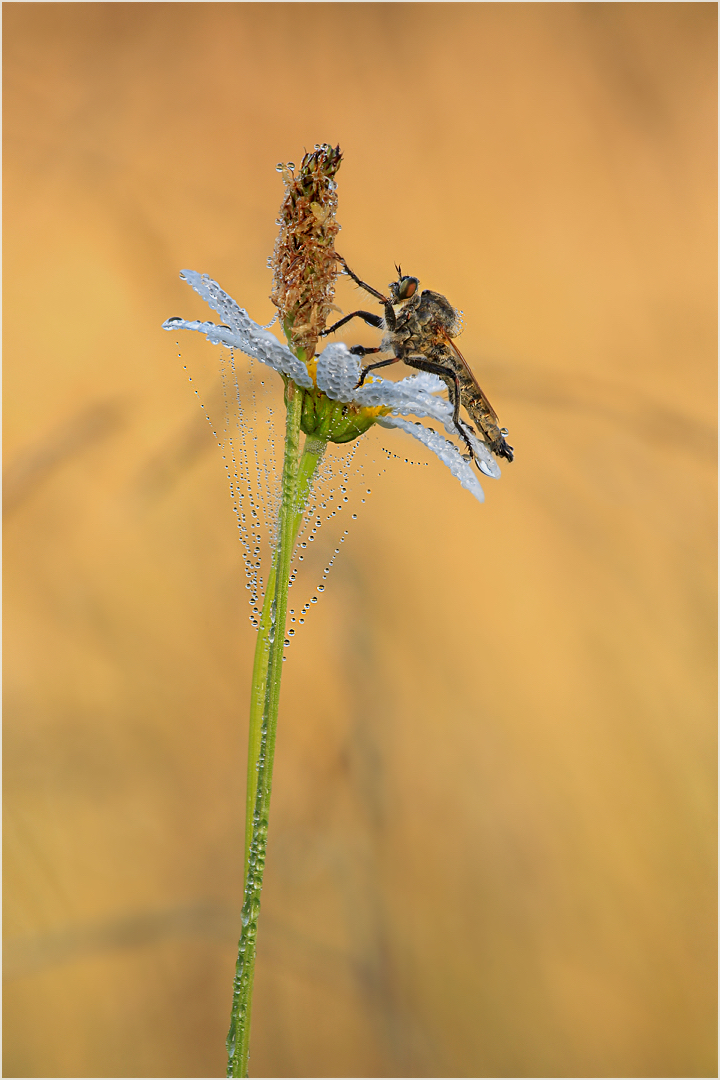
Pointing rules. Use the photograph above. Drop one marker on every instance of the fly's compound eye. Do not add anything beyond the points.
(407, 287)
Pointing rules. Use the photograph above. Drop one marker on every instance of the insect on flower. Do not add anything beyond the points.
(327, 399)
(419, 328)
(332, 379)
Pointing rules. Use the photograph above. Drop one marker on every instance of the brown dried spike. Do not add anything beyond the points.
(303, 262)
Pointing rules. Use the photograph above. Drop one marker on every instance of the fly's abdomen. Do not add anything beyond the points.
(475, 404)
(488, 429)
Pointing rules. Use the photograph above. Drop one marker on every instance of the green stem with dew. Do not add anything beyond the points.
(297, 477)
(312, 454)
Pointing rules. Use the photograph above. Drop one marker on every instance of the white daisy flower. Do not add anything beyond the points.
(335, 373)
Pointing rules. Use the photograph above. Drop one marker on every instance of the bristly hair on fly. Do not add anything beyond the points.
(303, 261)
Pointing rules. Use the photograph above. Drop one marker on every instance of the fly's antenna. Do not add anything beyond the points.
(399, 271)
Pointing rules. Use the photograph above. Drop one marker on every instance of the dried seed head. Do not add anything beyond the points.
(303, 262)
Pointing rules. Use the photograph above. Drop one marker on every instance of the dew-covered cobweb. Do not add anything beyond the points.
(248, 422)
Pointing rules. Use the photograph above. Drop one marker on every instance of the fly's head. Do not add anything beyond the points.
(404, 290)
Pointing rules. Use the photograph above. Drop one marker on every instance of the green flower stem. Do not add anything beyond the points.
(312, 455)
(296, 481)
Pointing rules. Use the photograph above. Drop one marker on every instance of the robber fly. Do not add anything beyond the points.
(419, 328)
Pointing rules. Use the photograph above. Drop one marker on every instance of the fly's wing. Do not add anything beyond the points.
(485, 404)
(479, 408)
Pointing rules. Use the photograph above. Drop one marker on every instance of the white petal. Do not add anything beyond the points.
(289, 364)
(240, 332)
(445, 450)
(410, 397)
(338, 372)
(215, 333)
(425, 380)
(483, 458)
(231, 312)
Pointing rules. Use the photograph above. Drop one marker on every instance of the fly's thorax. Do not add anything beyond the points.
(389, 342)
(436, 311)
(407, 327)
(405, 309)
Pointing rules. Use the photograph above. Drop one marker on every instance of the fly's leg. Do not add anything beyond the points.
(448, 373)
(372, 367)
(366, 316)
(361, 350)
(389, 310)
(362, 284)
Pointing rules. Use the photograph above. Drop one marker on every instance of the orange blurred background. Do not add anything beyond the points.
(492, 845)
